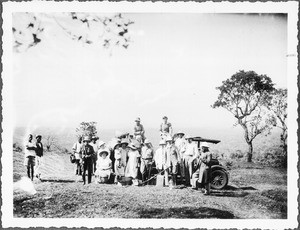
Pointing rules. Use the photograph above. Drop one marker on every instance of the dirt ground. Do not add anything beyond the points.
(254, 191)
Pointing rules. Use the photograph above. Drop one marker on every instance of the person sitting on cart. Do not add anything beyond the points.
(202, 174)
(165, 128)
(139, 131)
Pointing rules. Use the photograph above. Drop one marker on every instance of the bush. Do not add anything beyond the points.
(17, 147)
(273, 156)
(238, 154)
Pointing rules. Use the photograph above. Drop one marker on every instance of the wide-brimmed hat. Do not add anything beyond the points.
(132, 146)
(115, 145)
(162, 142)
(165, 117)
(124, 141)
(101, 143)
(38, 136)
(86, 138)
(204, 144)
(94, 138)
(104, 151)
(137, 119)
(180, 132)
(169, 138)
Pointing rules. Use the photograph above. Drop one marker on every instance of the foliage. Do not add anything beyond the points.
(50, 142)
(246, 96)
(86, 129)
(89, 28)
(17, 147)
(278, 106)
(274, 156)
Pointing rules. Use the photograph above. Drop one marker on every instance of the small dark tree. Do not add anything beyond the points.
(87, 129)
(246, 95)
(50, 142)
(279, 107)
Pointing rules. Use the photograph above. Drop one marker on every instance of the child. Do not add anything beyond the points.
(104, 167)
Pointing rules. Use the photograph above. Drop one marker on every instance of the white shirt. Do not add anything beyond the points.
(29, 152)
(159, 157)
(180, 143)
(191, 150)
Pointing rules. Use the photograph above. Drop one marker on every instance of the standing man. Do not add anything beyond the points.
(39, 154)
(76, 150)
(171, 161)
(146, 160)
(165, 128)
(29, 160)
(160, 156)
(95, 147)
(191, 152)
(205, 168)
(87, 152)
(180, 143)
(139, 131)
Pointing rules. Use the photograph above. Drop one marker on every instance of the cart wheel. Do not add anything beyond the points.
(219, 179)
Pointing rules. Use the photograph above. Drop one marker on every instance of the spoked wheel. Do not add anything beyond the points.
(219, 179)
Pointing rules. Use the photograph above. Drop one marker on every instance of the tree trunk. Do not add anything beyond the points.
(250, 151)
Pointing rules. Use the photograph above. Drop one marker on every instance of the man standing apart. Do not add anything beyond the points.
(171, 161)
(191, 152)
(165, 128)
(87, 152)
(29, 160)
(39, 154)
(147, 160)
(139, 131)
(76, 150)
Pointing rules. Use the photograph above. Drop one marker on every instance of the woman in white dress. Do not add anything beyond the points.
(132, 163)
(104, 167)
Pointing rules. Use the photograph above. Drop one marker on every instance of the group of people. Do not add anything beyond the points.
(33, 156)
(133, 156)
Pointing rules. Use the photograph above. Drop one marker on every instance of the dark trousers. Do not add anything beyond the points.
(87, 165)
(30, 171)
(78, 167)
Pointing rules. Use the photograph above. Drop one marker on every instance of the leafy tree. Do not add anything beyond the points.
(89, 28)
(87, 129)
(246, 95)
(278, 106)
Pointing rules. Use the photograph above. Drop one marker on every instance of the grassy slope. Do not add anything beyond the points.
(252, 193)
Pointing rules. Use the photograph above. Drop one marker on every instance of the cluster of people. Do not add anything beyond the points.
(133, 156)
(33, 156)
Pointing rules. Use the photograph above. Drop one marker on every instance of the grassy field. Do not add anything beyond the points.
(254, 191)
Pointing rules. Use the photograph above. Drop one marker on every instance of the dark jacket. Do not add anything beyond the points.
(39, 149)
(87, 152)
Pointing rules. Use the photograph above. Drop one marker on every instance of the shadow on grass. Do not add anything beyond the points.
(185, 212)
(229, 194)
(57, 180)
(229, 187)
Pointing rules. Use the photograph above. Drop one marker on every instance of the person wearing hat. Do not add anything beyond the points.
(29, 160)
(39, 154)
(76, 151)
(121, 152)
(104, 167)
(180, 143)
(202, 174)
(95, 147)
(165, 128)
(190, 153)
(171, 161)
(146, 160)
(87, 152)
(138, 130)
(159, 156)
(131, 169)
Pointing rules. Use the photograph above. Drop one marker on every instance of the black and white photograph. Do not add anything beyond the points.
(150, 115)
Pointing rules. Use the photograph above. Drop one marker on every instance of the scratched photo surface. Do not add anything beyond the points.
(149, 115)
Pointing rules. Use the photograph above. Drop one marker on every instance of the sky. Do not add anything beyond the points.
(172, 68)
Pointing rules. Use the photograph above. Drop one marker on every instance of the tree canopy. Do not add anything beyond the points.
(87, 129)
(246, 95)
